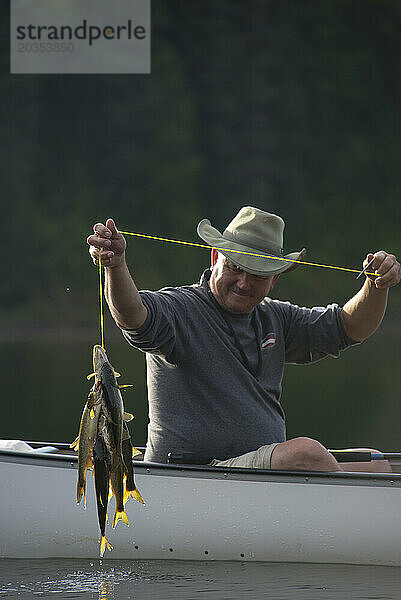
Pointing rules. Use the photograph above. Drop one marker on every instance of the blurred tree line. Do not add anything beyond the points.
(291, 106)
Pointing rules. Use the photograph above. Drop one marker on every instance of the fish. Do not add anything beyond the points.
(113, 408)
(101, 469)
(129, 451)
(86, 438)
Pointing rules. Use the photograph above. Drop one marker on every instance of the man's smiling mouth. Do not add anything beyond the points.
(242, 294)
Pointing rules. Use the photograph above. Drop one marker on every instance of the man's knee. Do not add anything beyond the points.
(303, 454)
(307, 452)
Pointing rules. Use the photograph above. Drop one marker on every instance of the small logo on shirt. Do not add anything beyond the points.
(268, 341)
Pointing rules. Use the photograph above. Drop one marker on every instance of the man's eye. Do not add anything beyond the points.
(234, 268)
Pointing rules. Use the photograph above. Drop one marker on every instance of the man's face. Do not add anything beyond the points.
(236, 290)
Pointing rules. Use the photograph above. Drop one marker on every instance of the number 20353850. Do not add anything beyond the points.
(45, 47)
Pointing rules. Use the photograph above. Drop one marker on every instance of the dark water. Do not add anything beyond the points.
(165, 580)
(349, 401)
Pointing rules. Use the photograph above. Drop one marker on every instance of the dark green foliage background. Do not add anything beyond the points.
(290, 106)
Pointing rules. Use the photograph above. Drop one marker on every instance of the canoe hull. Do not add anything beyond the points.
(203, 514)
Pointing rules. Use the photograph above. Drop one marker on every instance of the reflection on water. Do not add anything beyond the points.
(350, 401)
(176, 580)
(106, 589)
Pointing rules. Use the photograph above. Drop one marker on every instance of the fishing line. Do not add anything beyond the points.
(101, 300)
(299, 262)
(162, 239)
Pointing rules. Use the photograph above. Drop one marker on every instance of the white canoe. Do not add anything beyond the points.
(202, 513)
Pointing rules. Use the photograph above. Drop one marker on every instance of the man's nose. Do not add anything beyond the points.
(243, 281)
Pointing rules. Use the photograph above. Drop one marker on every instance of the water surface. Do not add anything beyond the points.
(185, 580)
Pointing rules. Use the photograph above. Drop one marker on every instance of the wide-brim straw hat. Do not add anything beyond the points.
(253, 241)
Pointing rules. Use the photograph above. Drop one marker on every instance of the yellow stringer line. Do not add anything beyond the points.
(300, 262)
(101, 300)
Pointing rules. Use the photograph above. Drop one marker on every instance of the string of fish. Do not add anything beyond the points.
(104, 443)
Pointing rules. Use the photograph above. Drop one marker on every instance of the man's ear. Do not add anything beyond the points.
(214, 255)
(274, 280)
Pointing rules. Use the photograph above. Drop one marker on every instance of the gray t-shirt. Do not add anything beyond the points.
(203, 397)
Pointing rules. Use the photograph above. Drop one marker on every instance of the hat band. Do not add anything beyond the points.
(267, 247)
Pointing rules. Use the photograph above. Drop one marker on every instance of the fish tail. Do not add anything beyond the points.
(135, 494)
(103, 544)
(81, 491)
(120, 515)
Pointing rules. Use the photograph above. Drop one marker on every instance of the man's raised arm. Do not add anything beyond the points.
(363, 313)
(122, 296)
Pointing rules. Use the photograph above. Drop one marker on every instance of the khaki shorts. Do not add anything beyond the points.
(257, 459)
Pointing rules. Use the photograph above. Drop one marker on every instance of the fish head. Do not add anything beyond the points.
(99, 358)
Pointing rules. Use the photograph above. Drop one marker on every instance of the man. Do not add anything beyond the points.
(216, 350)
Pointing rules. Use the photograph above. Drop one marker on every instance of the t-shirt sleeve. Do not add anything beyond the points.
(158, 334)
(313, 333)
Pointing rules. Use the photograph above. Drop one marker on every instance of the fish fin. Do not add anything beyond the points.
(120, 515)
(91, 375)
(128, 416)
(75, 444)
(117, 374)
(126, 435)
(81, 492)
(135, 494)
(135, 451)
(104, 544)
(126, 385)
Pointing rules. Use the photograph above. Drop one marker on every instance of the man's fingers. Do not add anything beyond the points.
(107, 239)
(98, 242)
(103, 234)
(387, 268)
(390, 278)
(111, 226)
(102, 230)
(106, 257)
(386, 264)
(367, 260)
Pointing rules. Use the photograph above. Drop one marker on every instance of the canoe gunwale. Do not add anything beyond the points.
(207, 472)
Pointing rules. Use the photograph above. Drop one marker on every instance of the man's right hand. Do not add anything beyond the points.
(108, 240)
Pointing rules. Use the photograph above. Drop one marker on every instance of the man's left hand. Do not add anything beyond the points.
(386, 266)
